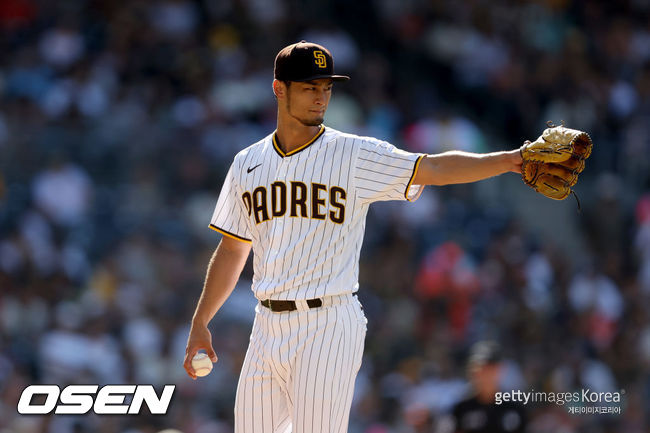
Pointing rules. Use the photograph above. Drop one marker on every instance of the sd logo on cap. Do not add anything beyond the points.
(305, 61)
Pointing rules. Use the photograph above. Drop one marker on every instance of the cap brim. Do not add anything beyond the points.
(318, 77)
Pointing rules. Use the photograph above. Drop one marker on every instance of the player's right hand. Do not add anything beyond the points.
(199, 338)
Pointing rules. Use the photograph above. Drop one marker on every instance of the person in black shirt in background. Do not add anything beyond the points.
(479, 412)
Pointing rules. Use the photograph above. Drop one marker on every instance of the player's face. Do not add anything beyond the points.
(486, 377)
(307, 101)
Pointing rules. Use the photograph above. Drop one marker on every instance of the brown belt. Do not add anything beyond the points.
(278, 306)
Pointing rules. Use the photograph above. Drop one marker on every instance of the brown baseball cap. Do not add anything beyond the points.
(305, 61)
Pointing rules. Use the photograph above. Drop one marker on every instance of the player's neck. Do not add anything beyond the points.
(293, 134)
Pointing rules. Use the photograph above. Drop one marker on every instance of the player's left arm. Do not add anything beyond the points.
(464, 167)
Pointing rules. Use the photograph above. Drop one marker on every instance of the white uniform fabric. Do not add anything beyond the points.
(305, 213)
(299, 371)
(307, 256)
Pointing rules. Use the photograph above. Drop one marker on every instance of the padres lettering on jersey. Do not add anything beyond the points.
(301, 200)
(305, 211)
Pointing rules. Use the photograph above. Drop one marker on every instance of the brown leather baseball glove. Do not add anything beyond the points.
(551, 163)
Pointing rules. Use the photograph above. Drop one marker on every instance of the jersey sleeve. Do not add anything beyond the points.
(230, 217)
(384, 172)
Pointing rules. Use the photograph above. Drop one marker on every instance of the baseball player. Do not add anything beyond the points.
(299, 198)
(477, 412)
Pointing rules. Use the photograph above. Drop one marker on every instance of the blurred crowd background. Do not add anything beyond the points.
(118, 121)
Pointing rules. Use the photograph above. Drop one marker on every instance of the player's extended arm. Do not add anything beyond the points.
(223, 272)
(464, 167)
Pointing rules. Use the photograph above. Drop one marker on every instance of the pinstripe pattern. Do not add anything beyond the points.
(304, 258)
(230, 213)
(300, 369)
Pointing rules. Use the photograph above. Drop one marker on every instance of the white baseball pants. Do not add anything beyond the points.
(299, 371)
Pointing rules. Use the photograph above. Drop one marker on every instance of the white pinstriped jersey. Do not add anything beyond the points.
(305, 211)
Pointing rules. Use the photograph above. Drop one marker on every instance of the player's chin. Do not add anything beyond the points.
(314, 121)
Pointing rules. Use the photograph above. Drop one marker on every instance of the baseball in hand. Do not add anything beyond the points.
(201, 364)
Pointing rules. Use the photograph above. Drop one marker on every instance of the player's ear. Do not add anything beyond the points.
(279, 89)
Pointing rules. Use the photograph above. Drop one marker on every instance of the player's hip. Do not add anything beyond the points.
(272, 307)
(279, 338)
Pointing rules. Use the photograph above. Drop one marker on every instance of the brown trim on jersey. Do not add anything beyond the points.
(278, 149)
(230, 235)
(415, 171)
